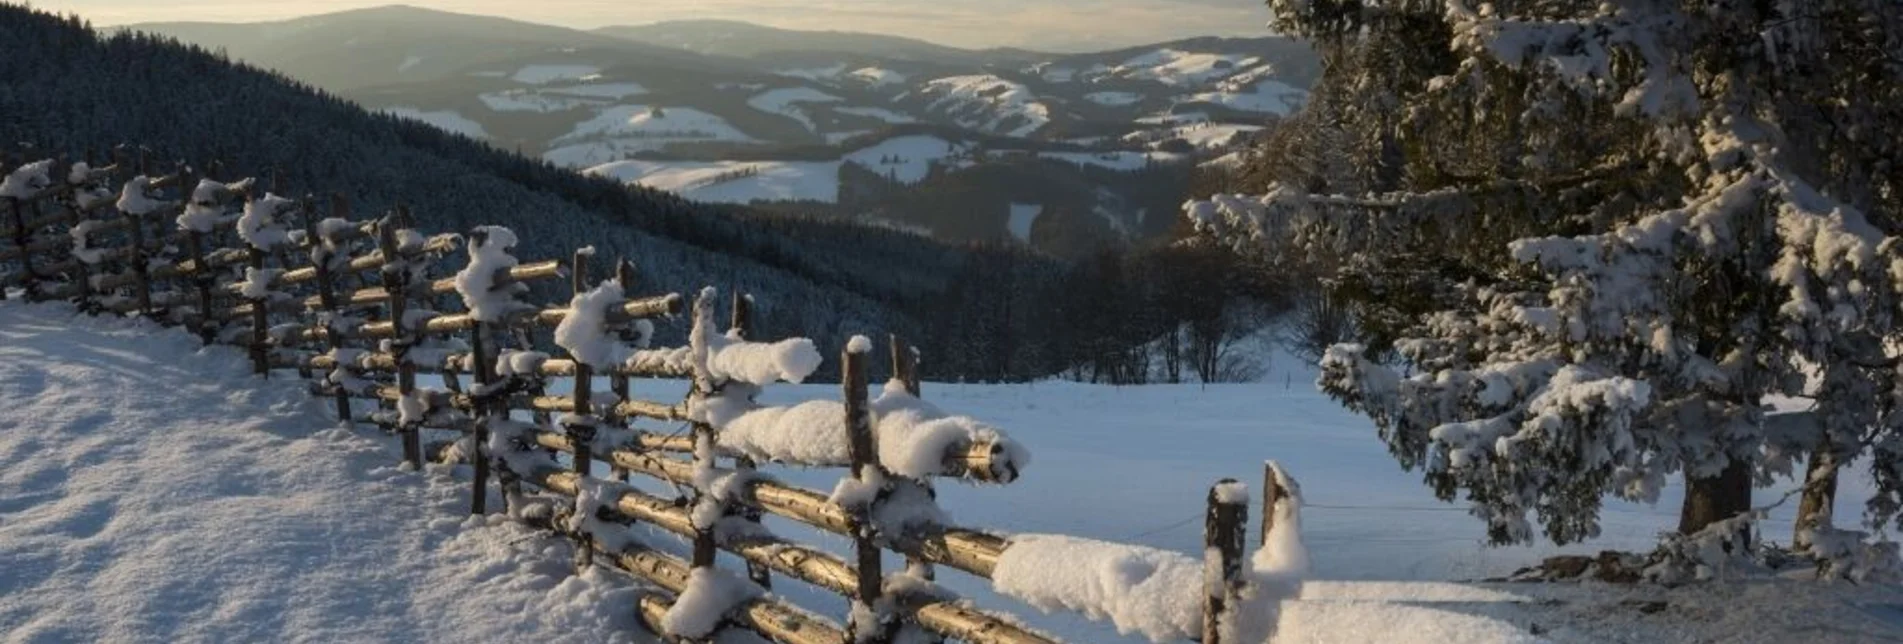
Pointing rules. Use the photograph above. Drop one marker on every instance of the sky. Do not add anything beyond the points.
(1051, 25)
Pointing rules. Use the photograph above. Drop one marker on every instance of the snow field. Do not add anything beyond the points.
(154, 491)
(446, 120)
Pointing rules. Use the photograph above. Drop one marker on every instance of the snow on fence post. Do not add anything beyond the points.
(1223, 530)
(490, 300)
(579, 424)
(322, 255)
(905, 365)
(703, 388)
(396, 278)
(867, 622)
(201, 277)
(738, 328)
(260, 230)
(142, 281)
(1272, 493)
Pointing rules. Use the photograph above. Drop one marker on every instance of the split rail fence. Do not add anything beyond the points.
(351, 306)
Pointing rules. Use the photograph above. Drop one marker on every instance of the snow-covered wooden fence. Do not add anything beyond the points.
(351, 306)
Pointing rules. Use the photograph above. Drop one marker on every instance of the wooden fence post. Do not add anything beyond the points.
(741, 325)
(482, 357)
(1272, 493)
(579, 424)
(904, 366)
(396, 283)
(326, 289)
(866, 470)
(618, 380)
(29, 276)
(1222, 555)
(142, 286)
(260, 321)
(705, 546)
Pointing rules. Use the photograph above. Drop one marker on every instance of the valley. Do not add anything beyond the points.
(823, 124)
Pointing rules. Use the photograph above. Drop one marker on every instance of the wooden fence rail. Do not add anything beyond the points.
(276, 279)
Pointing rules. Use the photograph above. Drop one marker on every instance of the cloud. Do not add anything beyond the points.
(1036, 24)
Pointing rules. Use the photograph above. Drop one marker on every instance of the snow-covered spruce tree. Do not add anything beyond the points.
(1598, 234)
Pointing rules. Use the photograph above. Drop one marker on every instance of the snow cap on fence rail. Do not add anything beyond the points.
(82, 246)
(258, 226)
(257, 282)
(754, 363)
(136, 198)
(1141, 590)
(489, 253)
(1159, 593)
(80, 173)
(914, 436)
(88, 186)
(207, 207)
(584, 332)
(711, 594)
(27, 180)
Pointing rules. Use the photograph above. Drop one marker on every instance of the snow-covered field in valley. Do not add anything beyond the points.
(152, 490)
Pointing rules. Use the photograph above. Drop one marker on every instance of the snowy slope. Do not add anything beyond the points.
(1182, 68)
(904, 159)
(448, 120)
(540, 74)
(152, 491)
(731, 181)
(618, 131)
(987, 103)
(786, 101)
(1023, 216)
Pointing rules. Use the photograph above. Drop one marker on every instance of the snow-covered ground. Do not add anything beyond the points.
(1113, 99)
(1114, 160)
(732, 181)
(988, 103)
(150, 490)
(540, 74)
(904, 159)
(447, 120)
(620, 130)
(1268, 96)
(1023, 216)
(1182, 68)
(786, 101)
(880, 113)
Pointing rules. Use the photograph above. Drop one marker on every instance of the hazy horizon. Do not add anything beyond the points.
(1055, 25)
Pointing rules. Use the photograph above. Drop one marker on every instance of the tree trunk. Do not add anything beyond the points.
(1820, 495)
(1714, 499)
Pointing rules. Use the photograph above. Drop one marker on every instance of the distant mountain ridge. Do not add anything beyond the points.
(826, 123)
(748, 40)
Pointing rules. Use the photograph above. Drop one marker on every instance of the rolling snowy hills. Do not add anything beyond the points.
(738, 113)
